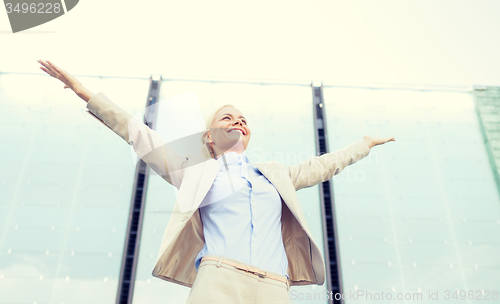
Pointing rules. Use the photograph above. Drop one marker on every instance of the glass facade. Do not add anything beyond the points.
(419, 214)
(66, 183)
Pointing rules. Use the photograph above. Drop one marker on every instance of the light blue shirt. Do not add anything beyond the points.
(241, 216)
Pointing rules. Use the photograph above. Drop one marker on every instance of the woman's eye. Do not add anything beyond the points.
(244, 122)
(225, 117)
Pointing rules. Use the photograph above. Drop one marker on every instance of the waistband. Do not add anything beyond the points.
(246, 267)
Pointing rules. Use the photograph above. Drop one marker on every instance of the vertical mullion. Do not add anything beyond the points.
(332, 255)
(137, 206)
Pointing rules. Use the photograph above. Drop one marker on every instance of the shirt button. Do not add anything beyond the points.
(185, 218)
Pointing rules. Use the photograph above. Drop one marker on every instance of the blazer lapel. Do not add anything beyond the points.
(210, 170)
(197, 181)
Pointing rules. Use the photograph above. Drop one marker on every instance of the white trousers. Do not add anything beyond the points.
(219, 283)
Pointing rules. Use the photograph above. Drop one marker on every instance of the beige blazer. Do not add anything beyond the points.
(194, 175)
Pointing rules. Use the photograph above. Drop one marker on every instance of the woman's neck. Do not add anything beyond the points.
(238, 148)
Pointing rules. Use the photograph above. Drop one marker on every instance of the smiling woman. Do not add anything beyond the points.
(244, 238)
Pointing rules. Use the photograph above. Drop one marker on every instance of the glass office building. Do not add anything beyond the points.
(416, 216)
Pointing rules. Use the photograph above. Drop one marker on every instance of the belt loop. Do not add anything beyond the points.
(219, 262)
(287, 284)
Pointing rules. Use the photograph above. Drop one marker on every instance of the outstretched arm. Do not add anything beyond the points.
(147, 143)
(318, 169)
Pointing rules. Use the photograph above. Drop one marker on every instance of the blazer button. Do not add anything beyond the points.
(185, 218)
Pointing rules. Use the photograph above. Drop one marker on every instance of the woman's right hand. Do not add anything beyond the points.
(53, 70)
(69, 80)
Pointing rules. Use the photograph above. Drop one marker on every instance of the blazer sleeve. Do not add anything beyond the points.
(147, 143)
(318, 169)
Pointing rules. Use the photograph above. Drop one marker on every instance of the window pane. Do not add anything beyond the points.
(66, 183)
(420, 213)
(280, 118)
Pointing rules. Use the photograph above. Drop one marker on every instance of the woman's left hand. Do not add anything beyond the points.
(373, 141)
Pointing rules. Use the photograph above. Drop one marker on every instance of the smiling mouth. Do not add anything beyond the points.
(241, 131)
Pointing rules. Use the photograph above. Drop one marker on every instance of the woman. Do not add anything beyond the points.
(237, 233)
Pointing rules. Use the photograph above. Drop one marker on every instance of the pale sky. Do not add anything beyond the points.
(448, 43)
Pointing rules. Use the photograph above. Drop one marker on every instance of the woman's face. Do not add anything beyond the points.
(229, 131)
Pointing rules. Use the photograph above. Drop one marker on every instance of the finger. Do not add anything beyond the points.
(55, 67)
(46, 71)
(48, 67)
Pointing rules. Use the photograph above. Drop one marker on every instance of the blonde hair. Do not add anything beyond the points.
(206, 149)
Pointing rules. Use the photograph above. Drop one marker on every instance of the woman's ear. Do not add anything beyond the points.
(207, 137)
